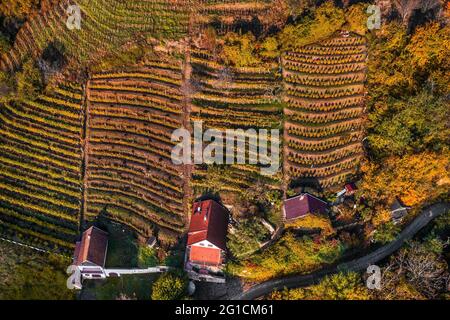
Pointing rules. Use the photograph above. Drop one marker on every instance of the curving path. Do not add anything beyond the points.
(355, 265)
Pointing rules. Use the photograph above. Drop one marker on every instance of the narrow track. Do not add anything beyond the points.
(356, 265)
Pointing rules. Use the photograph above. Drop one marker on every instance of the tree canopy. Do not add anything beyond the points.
(169, 286)
(340, 286)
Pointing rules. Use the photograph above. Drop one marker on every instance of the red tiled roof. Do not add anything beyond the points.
(350, 187)
(302, 205)
(92, 247)
(209, 221)
(210, 256)
(196, 237)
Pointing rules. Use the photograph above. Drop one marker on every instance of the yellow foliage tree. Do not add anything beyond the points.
(239, 50)
(382, 216)
(356, 18)
(340, 286)
(429, 48)
(327, 20)
(413, 178)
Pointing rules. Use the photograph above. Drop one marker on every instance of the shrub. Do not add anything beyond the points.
(357, 18)
(247, 237)
(170, 286)
(147, 257)
(239, 50)
(386, 232)
(314, 221)
(29, 81)
(341, 286)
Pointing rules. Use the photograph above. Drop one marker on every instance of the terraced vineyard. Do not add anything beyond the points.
(106, 25)
(234, 98)
(223, 14)
(324, 94)
(40, 168)
(130, 175)
(103, 147)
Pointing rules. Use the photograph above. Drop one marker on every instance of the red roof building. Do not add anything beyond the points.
(350, 189)
(207, 235)
(91, 250)
(302, 205)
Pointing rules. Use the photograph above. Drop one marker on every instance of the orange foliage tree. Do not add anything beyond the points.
(413, 178)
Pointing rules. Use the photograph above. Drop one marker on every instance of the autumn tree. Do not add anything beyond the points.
(356, 18)
(28, 81)
(414, 178)
(389, 72)
(340, 286)
(327, 19)
(239, 50)
(401, 65)
(270, 48)
(169, 286)
(412, 125)
(428, 51)
(386, 232)
(407, 88)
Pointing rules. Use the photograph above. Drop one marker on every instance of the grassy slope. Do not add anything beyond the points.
(27, 274)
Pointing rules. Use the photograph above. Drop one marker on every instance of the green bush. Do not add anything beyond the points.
(412, 125)
(147, 257)
(386, 232)
(170, 286)
(29, 81)
(247, 237)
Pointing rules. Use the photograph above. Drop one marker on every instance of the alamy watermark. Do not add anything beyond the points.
(74, 280)
(230, 146)
(74, 17)
(374, 20)
(374, 280)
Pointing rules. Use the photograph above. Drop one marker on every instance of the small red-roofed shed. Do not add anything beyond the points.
(302, 205)
(350, 189)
